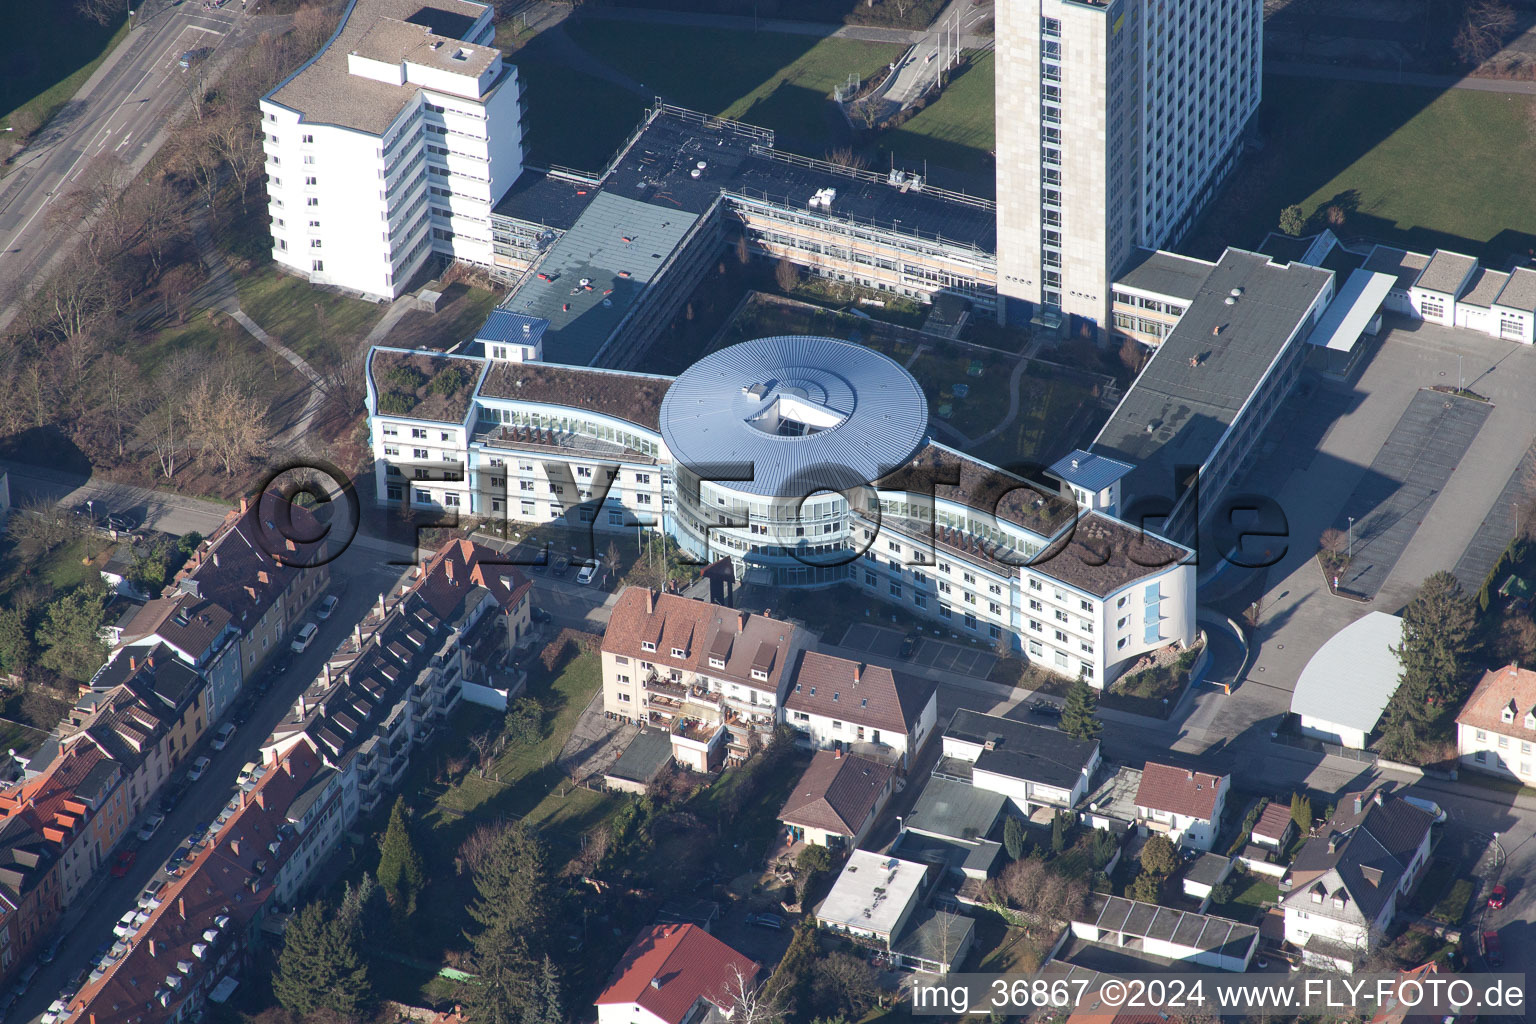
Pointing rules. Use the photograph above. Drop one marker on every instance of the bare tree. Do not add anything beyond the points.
(158, 210)
(1334, 539)
(228, 422)
(750, 1003)
(102, 12)
(787, 275)
(847, 156)
(1484, 28)
(121, 397)
(166, 437)
(233, 136)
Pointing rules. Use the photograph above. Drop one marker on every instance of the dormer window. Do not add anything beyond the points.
(1530, 719)
(678, 652)
(646, 645)
(762, 676)
(1317, 897)
(1508, 714)
(835, 695)
(716, 662)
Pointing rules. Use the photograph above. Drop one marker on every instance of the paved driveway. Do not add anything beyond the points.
(935, 654)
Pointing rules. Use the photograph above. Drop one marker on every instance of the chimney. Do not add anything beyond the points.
(381, 613)
(1191, 776)
(1333, 843)
(133, 663)
(150, 660)
(304, 705)
(244, 506)
(656, 982)
(151, 946)
(650, 601)
(837, 754)
(181, 907)
(741, 622)
(858, 670)
(215, 559)
(1378, 799)
(1357, 803)
(448, 568)
(261, 797)
(327, 673)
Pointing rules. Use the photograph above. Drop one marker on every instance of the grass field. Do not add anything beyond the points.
(322, 327)
(48, 52)
(956, 131)
(1415, 167)
(783, 82)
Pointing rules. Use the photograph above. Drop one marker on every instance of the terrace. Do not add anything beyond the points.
(564, 443)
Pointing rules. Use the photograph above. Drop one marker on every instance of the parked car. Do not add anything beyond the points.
(1497, 897)
(562, 566)
(169, 799)
(151, 826)
(305, 637)
(589, 572)
(122, 862)
(51, 950)
(223, 736)
(24, 981)
(126, 924)
(199, 767)
(1042, 708)
(909, 644)
(248, 770)
(540, 616)
(1493, 953)
(179, 859)
(328, 605)
(149, 899)
(122, 522)
(773, 921)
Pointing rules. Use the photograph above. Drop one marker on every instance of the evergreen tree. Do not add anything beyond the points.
(1159, 857)
(347, 991)
(302, 971)
(1301, 812)
(1148, 888)
(790, 984)
(1059, 833)
(505, 987)
(1078, 713)
(400, 873)
(1439, 636)
(16, 650)
(1013, 838)
(515, 894)
(547, 1009)
(70, 633)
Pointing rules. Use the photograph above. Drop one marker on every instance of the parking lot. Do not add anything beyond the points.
(1406, 476)
(930, 653)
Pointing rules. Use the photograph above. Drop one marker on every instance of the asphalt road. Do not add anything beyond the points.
(117, 114)
(361, 576)
(151, 509)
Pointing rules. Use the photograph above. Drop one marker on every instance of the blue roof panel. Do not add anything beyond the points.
(1088, 471)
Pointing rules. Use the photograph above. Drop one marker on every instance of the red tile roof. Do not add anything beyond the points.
(1166, 788)
(850, 691)
(217, 885)
(1274, 822)
(461, 563)
(700, 630)
(686, 963)
(836, 793)
(1509, 687)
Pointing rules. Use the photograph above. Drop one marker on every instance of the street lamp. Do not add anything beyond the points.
(1349, 556)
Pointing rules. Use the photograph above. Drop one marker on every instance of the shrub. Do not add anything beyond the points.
(1453, 907)
(396, 403)
(405, 378)
(449, 381)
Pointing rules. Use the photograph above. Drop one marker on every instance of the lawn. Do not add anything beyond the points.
(782, 82)
(459, 315)
(1421, 168)
(52, 51)
(323, 327)
(1250, 894)
(940, 368)
(955, 131)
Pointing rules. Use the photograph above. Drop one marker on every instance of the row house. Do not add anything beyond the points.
(31, 895)
(200, 633)
(445, 635)
(192, 946)
(78, 803)
(174, 692)
(715, 678)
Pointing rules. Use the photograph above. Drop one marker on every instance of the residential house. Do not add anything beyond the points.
(1342, 889)
(31, 895)
(171, 689)
(189, 948)
(676, 974)
(837, 800)
(712, 676)
(444, 636)
(882, 902)
(1497, 726)
(1275, 827)
(200, 633)
(77, 802)
(840, 704)
(1182, 804)
(950, 824)
(258, 567)
(1036, 767)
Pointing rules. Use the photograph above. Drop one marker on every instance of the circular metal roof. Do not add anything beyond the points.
(791, 415)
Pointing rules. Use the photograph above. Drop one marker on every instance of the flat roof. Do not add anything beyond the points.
(1351, 311)
(795, 414)
(1089, 471)
(325, 91)
(1446, 272)
(504, 325)
(955, 809)
(1403, 265)
(551, 200)
(1351, 677)
(1204, 372)
(1165, 273)
(872, 892)
(1520, 291)
(1019, 750)
(644, 758)
(1202, 932)
(616, 247)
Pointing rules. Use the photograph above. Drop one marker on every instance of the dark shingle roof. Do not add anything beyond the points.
(836, 793)
(1362, 855)
(1023, 751)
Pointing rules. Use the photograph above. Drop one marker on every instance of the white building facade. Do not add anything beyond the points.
(1116, 120)
(393, 143)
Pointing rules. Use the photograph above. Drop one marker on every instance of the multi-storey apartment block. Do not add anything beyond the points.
(396, 679)
(1116, 120)
(392, 143)
(714, 678)
(721, 457)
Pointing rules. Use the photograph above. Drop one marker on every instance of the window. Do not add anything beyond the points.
(310, 180)
(312, 201)
(647, 645)
(317, 265)
(678, 652)
(304, 138)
